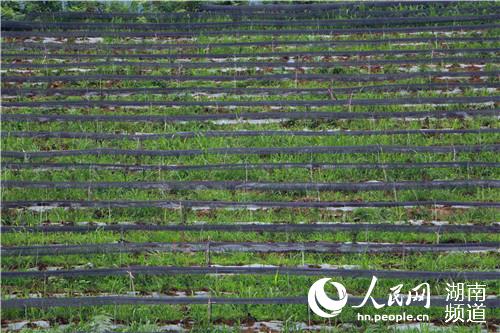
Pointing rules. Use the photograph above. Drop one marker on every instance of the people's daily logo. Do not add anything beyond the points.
(466, 301)
(319, 300)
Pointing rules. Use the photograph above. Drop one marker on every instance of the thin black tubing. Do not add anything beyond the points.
(169, 300)
(280, 103)
(145, 34)
(246, 166)
(215, 134)
(254, 247)
(350, 53)
(368, 149)
(170, 270)
(257, 227)
(246, 91)
(320, 64)
(162, 46)
(249, 116)
(237, 185)
(269, 77)
(192, 204)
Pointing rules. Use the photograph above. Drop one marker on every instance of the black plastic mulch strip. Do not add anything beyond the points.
(161, 46)
(239, 14)
(380, 21)
(250, 166)
(169, 300)
(246, 91)
(192, 204)
(348, 53)
(122, 34)
(207, 10)
(269, 77)
(215, 134)
(282, 103)
(250, 116)
(257, 247)
(297, 12)
(196, 17)
(236, 185)
(368, 149)
(303, 271)
(317, 6)
(261, 227)
(321, 64)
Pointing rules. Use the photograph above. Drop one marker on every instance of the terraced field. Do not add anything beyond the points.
(199, 168)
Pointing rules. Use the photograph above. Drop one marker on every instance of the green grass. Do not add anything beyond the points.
(225, 318)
